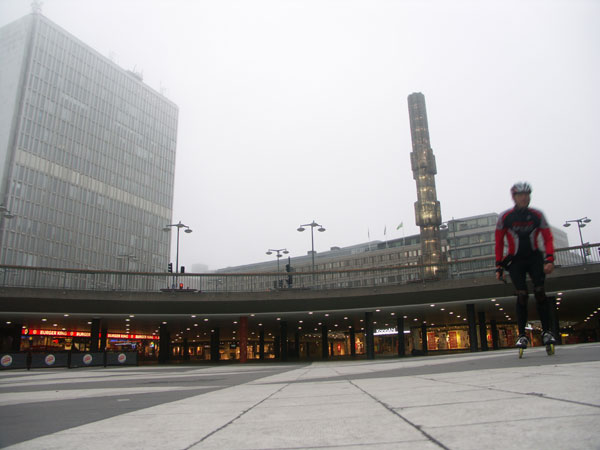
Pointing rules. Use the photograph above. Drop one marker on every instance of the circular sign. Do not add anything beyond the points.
(50, 360)
(122, 358)
(6, 360)
(87, 359)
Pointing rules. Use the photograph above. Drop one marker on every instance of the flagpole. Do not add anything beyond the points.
(385, 235)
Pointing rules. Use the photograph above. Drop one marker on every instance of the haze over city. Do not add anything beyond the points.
(291, 111)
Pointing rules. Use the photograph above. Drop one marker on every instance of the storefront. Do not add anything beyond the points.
(79, 341)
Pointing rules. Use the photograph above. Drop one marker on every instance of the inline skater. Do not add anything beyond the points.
(521, 227)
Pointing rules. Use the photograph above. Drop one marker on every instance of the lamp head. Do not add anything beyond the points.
(321, 229)
(566, 224)
(301, 229)
(188, 230)
(269, 252)
(586, 220)
(285, 252)
(167, 229)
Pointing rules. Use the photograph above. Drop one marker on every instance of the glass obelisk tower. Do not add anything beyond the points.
(427, 207)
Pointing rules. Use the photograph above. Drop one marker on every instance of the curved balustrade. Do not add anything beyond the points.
(101, 280)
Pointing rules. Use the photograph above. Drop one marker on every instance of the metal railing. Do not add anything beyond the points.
(102, 280)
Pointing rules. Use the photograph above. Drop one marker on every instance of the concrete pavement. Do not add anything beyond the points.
(486, 400)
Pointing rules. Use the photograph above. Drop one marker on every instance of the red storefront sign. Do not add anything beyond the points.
(67, 333)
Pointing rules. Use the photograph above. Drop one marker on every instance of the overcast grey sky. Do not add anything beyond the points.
(297, 110)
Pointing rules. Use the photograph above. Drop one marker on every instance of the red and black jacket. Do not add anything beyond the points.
(522, 227)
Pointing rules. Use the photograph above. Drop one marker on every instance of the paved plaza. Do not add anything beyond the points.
(490, 400)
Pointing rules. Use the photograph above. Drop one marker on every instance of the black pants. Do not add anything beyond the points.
(518, 269)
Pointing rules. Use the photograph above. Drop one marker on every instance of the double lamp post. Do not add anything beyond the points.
(188, 230)
(580, 224)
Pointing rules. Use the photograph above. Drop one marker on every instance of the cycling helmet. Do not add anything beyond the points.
(522, 187)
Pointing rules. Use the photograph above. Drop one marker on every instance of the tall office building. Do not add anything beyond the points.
(87, 156)
(427, 208)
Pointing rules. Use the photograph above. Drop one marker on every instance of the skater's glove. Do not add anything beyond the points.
(499, 271)
(506, 262)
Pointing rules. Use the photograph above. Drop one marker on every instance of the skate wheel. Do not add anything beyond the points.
(521, 353)
(550, 349)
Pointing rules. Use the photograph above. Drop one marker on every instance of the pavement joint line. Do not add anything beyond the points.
(434, 405)
(520, 419)
(367, 444)
(225, 425)
(396, 413)
(532, 394)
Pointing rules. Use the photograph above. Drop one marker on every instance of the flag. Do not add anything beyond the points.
(368, 233)
(385, 230)
(400, 226)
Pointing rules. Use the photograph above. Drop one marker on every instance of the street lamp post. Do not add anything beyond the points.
(280, 253)
(580, 224)
(179, 226)
(312, 240)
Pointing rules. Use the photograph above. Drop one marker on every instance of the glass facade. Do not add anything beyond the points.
(89, 157)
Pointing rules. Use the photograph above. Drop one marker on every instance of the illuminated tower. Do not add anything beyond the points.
(427, 208)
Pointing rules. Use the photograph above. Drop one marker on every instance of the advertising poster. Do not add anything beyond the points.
(452, 340)
(431, 344)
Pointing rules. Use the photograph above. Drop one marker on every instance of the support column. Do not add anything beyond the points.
(261, 344)
(284, 340)
(495, 335)
(215, 344)
(472, 326)
(15, 333)
(324, 342)
(103, 338)
(352, 342)
(277, 347)
(164, 351)
(95, 335)
(424, 346)
(369, 338)
(482, 331)
(186, 349)
(400, 326)
(243, 330)
(297, 344)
